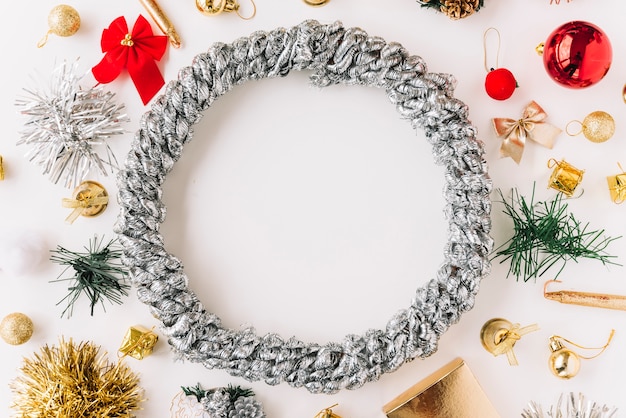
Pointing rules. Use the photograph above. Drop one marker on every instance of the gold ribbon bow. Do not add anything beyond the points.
(530, 126)
(89, 199)
(514, 334)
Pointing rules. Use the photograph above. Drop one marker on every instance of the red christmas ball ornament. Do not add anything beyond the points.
(500, 84)
(577, 54)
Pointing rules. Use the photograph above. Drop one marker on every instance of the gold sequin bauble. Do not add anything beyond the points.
(598, 126)
(16, 328)
(63, 20)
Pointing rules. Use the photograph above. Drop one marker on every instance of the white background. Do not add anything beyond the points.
(317, 213)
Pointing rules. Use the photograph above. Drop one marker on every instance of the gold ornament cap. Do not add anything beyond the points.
(16, 328)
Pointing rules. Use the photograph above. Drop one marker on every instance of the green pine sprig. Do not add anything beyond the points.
(546, 235)
(98, 274)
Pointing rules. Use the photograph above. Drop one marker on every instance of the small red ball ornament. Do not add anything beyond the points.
(500, 84)
(577, 54)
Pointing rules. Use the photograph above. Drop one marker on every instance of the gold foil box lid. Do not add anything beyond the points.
(450, 392)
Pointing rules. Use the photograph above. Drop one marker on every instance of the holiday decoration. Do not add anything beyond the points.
(597, 126)
(75, 380)
(498, 336)
(162, 21)
(596, 300)
(213, 8)
(558, 1)
(223, 402)
(63, 20)
(66, 123)
(16, 328)
(545, 235)
(572, 407)
(577, 54)
(425, 99)
(89, 199)
(136, 51)
(500, 82)
(454, 9)
(565, 178)
(316, 2)
(565, 363)
(1, 168)
(138, 342)
(532, 125)
(451, 391)
(98, 273)
(617, 186)
(21, 251)
(327, 413)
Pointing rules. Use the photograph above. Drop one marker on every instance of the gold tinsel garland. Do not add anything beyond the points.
(75, 380)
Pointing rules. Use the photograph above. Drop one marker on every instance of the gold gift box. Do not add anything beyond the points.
(617, 187)
(138, 342)
(450, 392)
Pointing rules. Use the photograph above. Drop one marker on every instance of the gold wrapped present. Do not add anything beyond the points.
(565, 177)
(138, 342)
(617, 187)
(450, 392)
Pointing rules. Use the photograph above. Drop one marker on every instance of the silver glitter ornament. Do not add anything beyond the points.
(570, 407)
(334, 55)
(65, 123)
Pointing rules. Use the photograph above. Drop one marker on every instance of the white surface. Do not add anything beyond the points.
(317, 213)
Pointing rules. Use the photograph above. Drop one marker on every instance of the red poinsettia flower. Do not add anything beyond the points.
(136, 51)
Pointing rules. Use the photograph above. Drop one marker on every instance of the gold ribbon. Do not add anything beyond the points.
(505, 346)
(84, 200)
(531, 126)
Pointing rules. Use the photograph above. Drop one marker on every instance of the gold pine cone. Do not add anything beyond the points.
(458, 9)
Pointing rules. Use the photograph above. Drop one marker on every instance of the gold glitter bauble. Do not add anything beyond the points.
(598, 126)
(63, 20)
(16, 328)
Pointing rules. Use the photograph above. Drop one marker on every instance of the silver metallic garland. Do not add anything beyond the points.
(335, 55)
(570, 406)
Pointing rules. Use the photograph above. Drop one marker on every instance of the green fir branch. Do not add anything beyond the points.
(98, 274)
(546, 235)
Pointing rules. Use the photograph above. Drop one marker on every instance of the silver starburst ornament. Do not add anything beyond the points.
(65, 125)
(570, 406)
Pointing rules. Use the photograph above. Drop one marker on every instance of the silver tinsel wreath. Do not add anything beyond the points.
(66, 122)
(335, 55)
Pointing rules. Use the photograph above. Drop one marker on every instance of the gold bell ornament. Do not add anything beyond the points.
(498, 336)
(617, 186)
(89, 199)
(565, 177)
(327, 413)
(565, 363)
(63, 20)
(597, 127)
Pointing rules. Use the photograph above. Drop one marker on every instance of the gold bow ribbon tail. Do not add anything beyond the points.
(89, 199)
(508, 339)
(531, 126)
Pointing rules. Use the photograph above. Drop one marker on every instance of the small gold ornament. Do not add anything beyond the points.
(565, 177)
(89, 199)
(498, 336)
(16, 328)
(617, 186)
(215, 7)
(316, 2)
(597, 126)
(138, 342)
(327, 413)
(63, 20)
(1, 168)
(565, 363)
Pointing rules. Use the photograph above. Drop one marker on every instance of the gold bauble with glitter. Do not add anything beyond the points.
(16, 328)
(63, 20)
